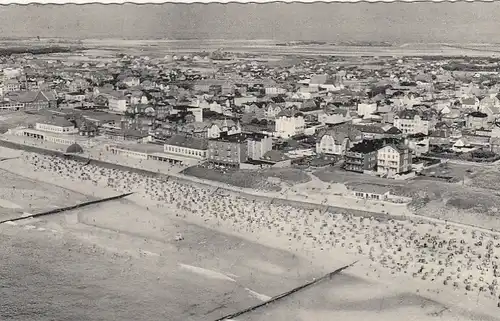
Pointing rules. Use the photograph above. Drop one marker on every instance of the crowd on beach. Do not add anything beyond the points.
(460, 258)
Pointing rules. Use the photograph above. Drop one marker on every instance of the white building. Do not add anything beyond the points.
(117, 104)
(393, 160)
(57, 125)
(132, 81)
(274, 91)
(191, 147)
(366, 110)
(333, 143)
(286, 127)
(258, 146)
(410, 122)
(10, 73)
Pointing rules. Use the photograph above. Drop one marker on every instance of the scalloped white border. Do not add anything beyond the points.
(27, 2)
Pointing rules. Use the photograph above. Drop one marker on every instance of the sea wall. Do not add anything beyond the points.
(220, 189)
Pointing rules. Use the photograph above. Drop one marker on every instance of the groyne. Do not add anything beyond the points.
(67, 208)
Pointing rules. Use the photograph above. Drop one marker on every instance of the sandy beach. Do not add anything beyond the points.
(447, 264)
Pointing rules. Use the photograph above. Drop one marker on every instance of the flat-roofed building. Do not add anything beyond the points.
(57, 125)
(192, 147)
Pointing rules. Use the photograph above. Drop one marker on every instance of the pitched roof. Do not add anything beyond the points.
(188, 142)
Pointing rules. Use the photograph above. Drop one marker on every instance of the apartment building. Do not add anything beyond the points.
(411, 122)
(289, 126)
(363, 156)
(393, 160)
(228, 150)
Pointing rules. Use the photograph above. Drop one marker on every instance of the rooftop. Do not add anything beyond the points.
(240, 137)
(372, 145)
(188, 142)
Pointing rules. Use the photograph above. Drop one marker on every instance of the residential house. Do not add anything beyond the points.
(476, 120)
(418, 143)
(131, 81)
(288, 125)
(78, 84)
(378, 131)
(475, 140)
(470, 102)
(454, 116)
(363, 156)
(490, 105)
(272, 111)
(240, 101)
(462, 145)
(410, 121)
(258, 145)
(277, 159)
(333, 143)
(365, 110)
(274, 90)
(393, 160)
(334, 117)
(495, 144)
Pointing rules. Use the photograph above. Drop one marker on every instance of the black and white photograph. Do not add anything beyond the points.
(250, 161)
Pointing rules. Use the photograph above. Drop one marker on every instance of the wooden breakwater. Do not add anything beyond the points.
(67, 208)
(286, 294)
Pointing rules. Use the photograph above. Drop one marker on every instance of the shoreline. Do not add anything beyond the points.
(316, 256)
(406, 214)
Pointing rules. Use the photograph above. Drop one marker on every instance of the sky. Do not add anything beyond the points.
(393, 22)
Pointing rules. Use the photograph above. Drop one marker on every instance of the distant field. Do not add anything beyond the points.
(161, 47)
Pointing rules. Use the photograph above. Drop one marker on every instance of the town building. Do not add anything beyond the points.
(228, 150)
(476, 120)
(334, 117)
(11, 85)
(289, 126)
(184, 146)
(33, 100)
(57, 125)
(117, 103)
(365, 110)
(333, 143)
(411, 122)
(363, 156)
(393, 160)
(258, 145)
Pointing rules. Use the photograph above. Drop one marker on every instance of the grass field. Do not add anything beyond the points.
(256, 179)
(471, 197)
